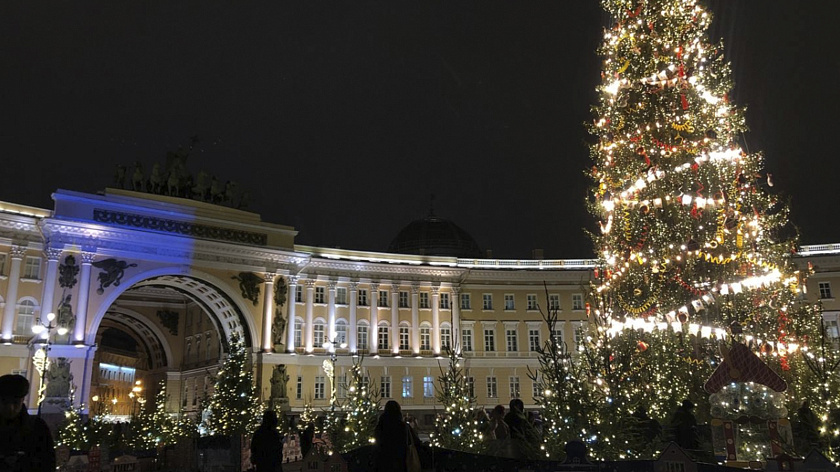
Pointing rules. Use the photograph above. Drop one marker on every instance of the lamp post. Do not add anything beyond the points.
(136, 390)
(330, 346)
(44, 331)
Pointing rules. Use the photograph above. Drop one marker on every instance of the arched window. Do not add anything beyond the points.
(319, 332)
(425, 336)
(405, 331)
(445, 336)
(362, 333)
(25, 318)
(340, 331)
(384, 335)
(298, 331)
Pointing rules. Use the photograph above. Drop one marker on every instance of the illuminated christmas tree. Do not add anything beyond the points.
(74, 432)
(456, 427)
(360, 412)
(694, 248)
(234, 408)
(153, 427)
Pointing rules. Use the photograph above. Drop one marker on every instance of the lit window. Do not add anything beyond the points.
(299, 388)
(319, 333)
(407, 388)
(487, 301)
(445, 337)
(466, 304)
(428, 387)
(340, 331)
(509, 305)
(466, 335)
(320, 387)
(298, 333)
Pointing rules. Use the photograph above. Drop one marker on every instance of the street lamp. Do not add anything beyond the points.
(135, 396)
(330, 346)
(43, 330)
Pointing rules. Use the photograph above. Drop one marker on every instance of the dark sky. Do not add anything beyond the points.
(342, 118)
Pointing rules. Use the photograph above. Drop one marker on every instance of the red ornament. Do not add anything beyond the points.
(643, 346)
(684, 101)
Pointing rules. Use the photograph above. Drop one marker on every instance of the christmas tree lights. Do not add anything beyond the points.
(234, 408)
(457, 427)
(360, 412)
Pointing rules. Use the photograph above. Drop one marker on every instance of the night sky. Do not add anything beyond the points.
(343, 118)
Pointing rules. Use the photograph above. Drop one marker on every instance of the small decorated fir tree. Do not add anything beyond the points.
(234, 407)
(360, 411)
(457, 426)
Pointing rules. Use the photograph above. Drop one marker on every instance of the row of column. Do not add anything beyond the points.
(52, 255)
(373, 332)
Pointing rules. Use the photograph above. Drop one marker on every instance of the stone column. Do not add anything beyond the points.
(436, 319)
(290, 320)
(10, 309)
(268, 313)
(395, 318)
(331, 310)
(352, 329)
(415, 319)
(310, 296)
(456, 319)
(82, 299)
(48, 295)
(374, 318)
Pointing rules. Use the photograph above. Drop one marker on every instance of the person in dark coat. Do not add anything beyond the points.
(26, 443)
(685, 426)
(267, 445)
(392, 435)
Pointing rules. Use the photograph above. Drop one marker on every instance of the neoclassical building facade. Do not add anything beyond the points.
(148, 289)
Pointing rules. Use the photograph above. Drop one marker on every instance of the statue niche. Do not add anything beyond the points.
(68, 272)
(279, 326)
(249, 286)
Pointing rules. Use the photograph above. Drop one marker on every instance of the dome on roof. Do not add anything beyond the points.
(433, 236)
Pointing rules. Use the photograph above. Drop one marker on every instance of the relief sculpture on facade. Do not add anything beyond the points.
(249, 285)
(112, 273)
(68, 272)
(58, 378)
(279, 326)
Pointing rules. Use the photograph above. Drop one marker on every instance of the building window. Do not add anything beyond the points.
(425, 338)
(403, 299)
(471, 386)
(362, 337)
(341, 296)
(428, 387)
(320, 390)
(489, 339)
(298, 334)
(671, 466)
(341, 332)
(512, 344)
(341, 384)
(487, 301)
(577, 301)
(207, 349)
(532, 302)
(298, 294)
(384, 335)
(404, 332)
(407, 388)
(186, 395)
(557, 336)
(32, 268)
(509, 305)
(445, 338)
(319, 295)
(424, 300)
(319, 334)
(492, 391)
(579, 337)
(444, 301)
(553, 301)
(535, 389)
(2, 264)
(534, 340)
(299, 388)
(825, 290)
(514, 387)
(466, 303)
(25, 318)
(383, 298)
(362, 297)
(466, 334)
(385, 386)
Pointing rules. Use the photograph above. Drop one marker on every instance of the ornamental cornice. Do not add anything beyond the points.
(52, 253)
(384, 271)
(17, 251)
